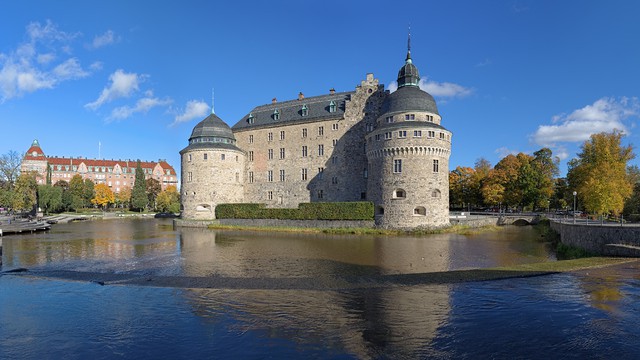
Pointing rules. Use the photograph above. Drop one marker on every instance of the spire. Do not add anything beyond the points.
(212, 100)
(408, 59)
(408, 74)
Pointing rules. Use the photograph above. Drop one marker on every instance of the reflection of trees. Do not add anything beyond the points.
(380, 321)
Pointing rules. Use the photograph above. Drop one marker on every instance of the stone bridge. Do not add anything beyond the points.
(518, 219)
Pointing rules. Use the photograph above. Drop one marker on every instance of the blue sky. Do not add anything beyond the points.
(136, 76)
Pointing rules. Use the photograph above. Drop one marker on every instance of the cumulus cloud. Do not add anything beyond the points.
(441, 90)
(604, 115)
(121, 84)
(105, 39)
(143, 105)
(28, 68)
(195, 109)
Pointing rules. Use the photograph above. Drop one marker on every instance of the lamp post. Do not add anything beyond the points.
(574, 206)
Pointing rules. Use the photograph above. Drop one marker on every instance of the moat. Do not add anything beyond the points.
(281, 295)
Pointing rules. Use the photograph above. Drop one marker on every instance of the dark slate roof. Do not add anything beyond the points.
(291, 111)
(212, 126)
(408, 74)
(411, 124)
(409, 98)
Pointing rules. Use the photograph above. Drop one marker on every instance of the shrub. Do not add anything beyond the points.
(306, 211)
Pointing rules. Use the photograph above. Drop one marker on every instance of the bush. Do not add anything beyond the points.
(305, 211)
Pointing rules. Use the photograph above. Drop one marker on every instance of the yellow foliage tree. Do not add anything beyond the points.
(103, 196)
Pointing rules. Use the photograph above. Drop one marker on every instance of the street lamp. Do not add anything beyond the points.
(574, 206)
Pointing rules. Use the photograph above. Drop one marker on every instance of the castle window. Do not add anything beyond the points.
(270, 175)
(369, 127)
(334, 126)
(276, 114)
(222, 157)
(334, 160)
(281, 153)
(334, 180)
(387, 135)
(320, 172)
(282, 135)
(365, 173)
(189, 176)
(335, 142)
(304, 132)
(380, 210)
(377, 137)
(399, 194)
(250, 118)
(270, 136)
(417, 133)
(431, 134)
(320, 150)
(430, 118)
(363, 196)
(409, 117)
(442, 136)
(250, 139)
(270, 195)
(435, 193)
(320, 194)
(436, 165)
(90, 169)
(304, 151)
(251, 176)
(320, 130)
(281, 175)
(397, 166)
(250, 155)
(332, 106)
(305, 110)
(270, 152)
(389, 119)
(402, 134)
(420, 211)
(205, 156)
(304, 174)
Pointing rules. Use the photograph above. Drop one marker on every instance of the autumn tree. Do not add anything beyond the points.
(103, 196)
(599, 173)
(139, 193)
(169, 200)
(26, 187)
(123, 198)
(460, 186)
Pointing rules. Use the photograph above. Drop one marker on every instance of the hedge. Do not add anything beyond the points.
(306, 211)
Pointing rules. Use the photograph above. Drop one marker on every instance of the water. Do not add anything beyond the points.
(275, 295)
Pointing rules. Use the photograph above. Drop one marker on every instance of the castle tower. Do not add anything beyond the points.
(408, 155)
(212, 169)
(35, 160)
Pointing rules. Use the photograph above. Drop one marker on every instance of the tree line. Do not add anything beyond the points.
(600, 177)
(21, 192)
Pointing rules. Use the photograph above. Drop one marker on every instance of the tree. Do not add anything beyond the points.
(139, 193)
(169, 200)
(49, 198)
(123, 198)
(599, 174)
(460, 186)
(76, 190)
(88, 191)
(10, 167)
(103, 196)
(26, 187)
(153, 189)
(632, 205)
(66, 194)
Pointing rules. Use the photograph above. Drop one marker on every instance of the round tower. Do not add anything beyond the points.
(408, 155)
(212, 170)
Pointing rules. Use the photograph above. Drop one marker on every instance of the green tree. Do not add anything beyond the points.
(76, 190)
(88, 191)
(632, 205)
(26, 187)
(139, 193)
(153, 189)
(66, 194)
(599, 174)
(49, 174)
(49, 198)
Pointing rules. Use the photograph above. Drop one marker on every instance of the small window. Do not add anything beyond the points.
(321, 150)
(334, 126)
(270, 175)
(409, 117)
(276, 114)
(188, 160)
(320, 130)
(380, 210)
(389, 119)
(334, 180)
(305, 110)
(304, 174)
(250, 155)
(417, 133)
(435, 194)
(332, 106)
(270, 136)
(250, 139)
(222, 157)
(402, 134)
(270, 195)
(399, 194)
(320, 194)
(281, 153)
(304, 151)
(281, 175)
(420, 211)
(436, 165)
(320, 172)
(363, 196)
(270, 154)
(250, 118)
(397, 166)
(282, 135)
(251, 176)
(304, 132)
(387, 135)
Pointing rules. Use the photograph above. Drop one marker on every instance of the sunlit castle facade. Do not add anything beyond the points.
(117, 174)
(362, 145)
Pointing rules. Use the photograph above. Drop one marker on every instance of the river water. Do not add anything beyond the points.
(140, 289)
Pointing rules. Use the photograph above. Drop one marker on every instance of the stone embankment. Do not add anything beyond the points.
(604, 240)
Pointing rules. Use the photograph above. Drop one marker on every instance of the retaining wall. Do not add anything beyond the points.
(605, 240)
(324, 224)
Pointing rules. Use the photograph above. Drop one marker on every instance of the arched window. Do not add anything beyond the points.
(380, 210)
(399, 194)
(435, 193)
(420, 211)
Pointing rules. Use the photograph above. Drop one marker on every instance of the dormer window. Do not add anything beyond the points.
(332, 106)
(276, 114)
(250, 119)
(389, 119)
(305, 110)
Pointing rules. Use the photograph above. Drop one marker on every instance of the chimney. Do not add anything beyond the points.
(274, 100)
(300, 95)
(332, 91)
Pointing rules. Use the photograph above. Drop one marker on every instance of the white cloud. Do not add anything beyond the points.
(96, 66)
(194, 109)
(105, 39)
(441, 90)
(484, 63)
(142, 106)
(604, 115)
(503, 152)
(27, 69)
(121, 85)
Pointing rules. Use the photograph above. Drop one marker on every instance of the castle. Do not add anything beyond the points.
(364, 145)
(117, 174)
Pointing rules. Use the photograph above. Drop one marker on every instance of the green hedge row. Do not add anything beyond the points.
(306, 211)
